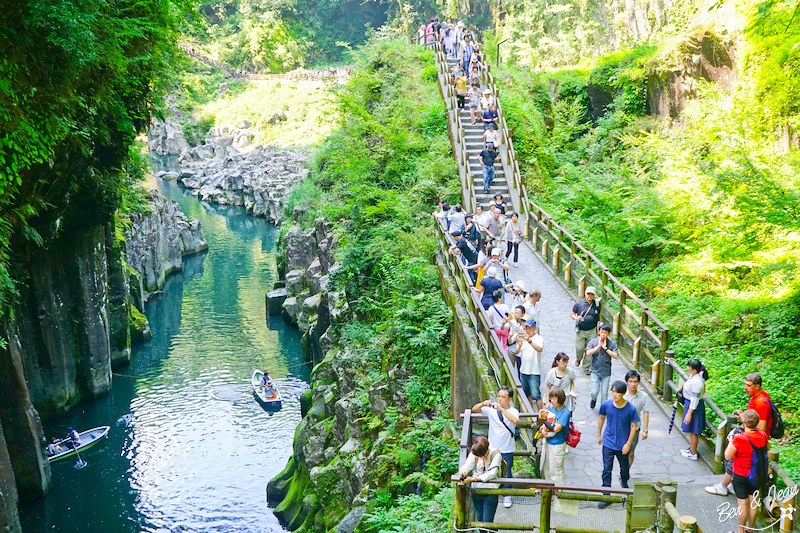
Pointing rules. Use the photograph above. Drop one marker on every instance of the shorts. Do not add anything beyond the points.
(532, 385)
(742, 487)
(635, 441)
(729, 467)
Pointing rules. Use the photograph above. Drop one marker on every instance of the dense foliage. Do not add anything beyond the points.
(377, 178)
(77, 84)
(698, 215)
(279, 35)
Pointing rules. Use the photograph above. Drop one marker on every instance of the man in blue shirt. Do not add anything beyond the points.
(489, 117)
(618, 435)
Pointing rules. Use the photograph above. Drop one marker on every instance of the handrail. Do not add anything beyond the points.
(494, 347)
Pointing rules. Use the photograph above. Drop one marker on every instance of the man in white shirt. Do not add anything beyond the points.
(503, 418)
(533, 308)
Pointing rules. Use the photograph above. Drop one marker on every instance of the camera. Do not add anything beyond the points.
(463, 477)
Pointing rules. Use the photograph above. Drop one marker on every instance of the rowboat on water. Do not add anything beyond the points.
(265, 396)
(89, 438)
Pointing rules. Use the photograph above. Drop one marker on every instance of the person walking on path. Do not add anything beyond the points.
(601, 350)
(639, 401)
(492, 225)
(512, 236)
(618, 435)
(741, 450)
(556, 422)
(561, 376)
(489, 284)
(694, 409)
(586, 314)
(482, 466)
(529, 363)
(500, 318)
(503, 419)
(760, 403)
(489, 116)
(467, 49)
(474, 101)
(487, 158)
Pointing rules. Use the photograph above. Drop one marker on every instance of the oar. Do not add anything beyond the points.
(81, 463)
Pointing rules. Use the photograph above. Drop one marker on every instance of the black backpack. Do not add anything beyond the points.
(759, 468)
(778, 429)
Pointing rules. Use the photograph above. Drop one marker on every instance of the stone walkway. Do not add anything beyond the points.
(658, 456)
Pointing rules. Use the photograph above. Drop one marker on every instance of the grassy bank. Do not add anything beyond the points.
(309, 107)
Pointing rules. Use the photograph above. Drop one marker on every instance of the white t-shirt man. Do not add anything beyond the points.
(501, 430)
(530, 358)
(496, 314)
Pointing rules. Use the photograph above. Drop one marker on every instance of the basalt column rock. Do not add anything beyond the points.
(118, 300)
(9, 517)
(157, 241)
(63, 323)
(22, 430)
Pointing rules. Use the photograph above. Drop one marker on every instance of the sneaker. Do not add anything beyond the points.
(603, 505)
(686, 451)
(592, 403)
(717, 489)
(692, 456)
(515, 264)
(506, 501)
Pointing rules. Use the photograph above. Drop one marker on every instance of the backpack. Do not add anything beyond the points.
(759, 468)
(778, 429)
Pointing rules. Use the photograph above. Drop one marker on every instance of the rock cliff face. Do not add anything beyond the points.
(326, 482)
(156, 242)
(166, 138)
(258, 180)
(70, 324)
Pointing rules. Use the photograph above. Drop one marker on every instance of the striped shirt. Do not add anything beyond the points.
(639, 402)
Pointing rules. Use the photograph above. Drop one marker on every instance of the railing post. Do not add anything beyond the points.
(544, 514)
(461, 506)
(666, 392)
(629, 513)
(663, 353)
(667, 493)
(688, 523)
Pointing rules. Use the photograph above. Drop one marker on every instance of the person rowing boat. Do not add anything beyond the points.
(73, 439)
(266, 384)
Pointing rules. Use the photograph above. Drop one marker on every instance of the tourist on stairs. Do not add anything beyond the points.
(512, 236)
(487, 158)
(618, 435)
(601, 350)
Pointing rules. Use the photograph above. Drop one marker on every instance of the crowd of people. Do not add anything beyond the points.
(485, 241)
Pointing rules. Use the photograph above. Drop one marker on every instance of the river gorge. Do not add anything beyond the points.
(189, 448)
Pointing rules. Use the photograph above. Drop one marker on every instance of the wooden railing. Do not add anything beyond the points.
(528, 488)
(642, 337)
(455, 129)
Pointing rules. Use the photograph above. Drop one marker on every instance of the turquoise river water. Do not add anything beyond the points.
(189, 448)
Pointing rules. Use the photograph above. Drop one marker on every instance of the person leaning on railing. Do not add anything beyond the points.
(482, 465)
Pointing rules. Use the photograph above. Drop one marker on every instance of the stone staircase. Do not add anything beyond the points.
(474, 144)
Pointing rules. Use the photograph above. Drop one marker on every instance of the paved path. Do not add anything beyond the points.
(658, 456)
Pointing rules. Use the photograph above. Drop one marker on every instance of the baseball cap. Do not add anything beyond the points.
(492, 272)
(590, 289)
(530, 323)
(456, 233)
(495, 251)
